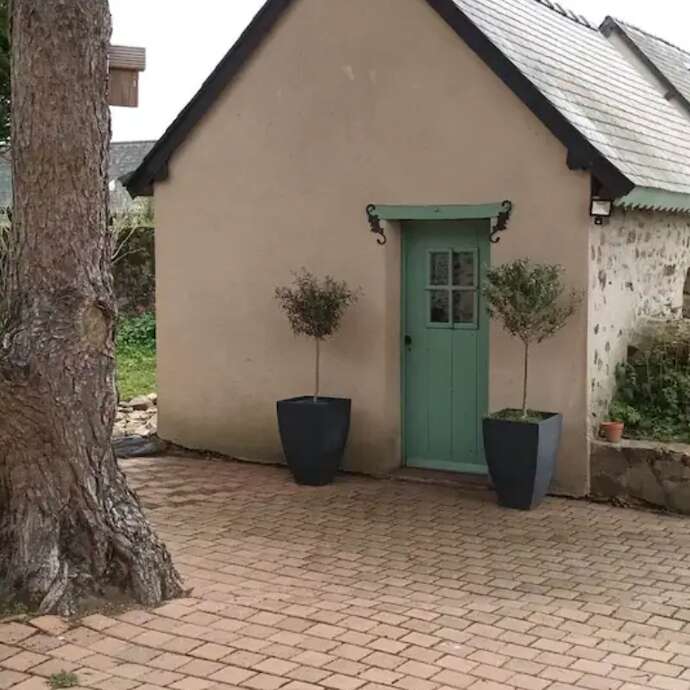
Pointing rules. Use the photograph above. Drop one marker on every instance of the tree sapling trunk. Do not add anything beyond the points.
(69, 525)
(524, 380)
(317, 382)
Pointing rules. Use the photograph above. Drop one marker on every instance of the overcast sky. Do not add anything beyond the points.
(185, 40)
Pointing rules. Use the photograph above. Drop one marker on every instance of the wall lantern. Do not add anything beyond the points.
(600, 209)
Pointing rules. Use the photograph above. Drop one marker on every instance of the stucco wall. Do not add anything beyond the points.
(639, 264)
(348, 103)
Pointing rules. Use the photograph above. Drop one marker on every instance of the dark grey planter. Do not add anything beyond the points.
(314, 434)
(521, 457)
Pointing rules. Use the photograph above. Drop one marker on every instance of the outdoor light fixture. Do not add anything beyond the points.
(600, 209)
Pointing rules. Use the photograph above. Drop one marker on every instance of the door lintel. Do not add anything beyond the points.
(498, 213)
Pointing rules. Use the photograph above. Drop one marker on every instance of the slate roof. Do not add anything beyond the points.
(670, 63)
(125, 157)
(594, 86)
(609, 117)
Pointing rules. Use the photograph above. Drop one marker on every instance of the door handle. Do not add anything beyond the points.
(408, 341)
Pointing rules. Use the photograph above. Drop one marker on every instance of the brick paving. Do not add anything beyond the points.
(373, 585)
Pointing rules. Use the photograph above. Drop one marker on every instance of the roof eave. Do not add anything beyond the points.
(650, 199)
(154, 167)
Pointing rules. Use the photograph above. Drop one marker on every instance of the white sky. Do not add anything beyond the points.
(185, 40)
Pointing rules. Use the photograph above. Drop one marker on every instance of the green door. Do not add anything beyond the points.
(445, 344)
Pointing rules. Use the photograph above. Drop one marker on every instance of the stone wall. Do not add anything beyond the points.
(643, 472)
(639, 263)
(135, 273)
(134, 269)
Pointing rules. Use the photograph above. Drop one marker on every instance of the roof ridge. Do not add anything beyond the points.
(567, 13)
(634, 27)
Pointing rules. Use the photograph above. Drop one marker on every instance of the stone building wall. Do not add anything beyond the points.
(639, 264)
(135, 273)
(642, 472)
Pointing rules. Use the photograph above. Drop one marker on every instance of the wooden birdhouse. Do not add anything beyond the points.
(126, 62)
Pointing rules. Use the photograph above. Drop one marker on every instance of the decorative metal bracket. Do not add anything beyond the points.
(501, 222)
(375, 223)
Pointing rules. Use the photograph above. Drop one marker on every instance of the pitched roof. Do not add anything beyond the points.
(608, 116)
(155, 166)
(668, 62)
(594, 87)
(125, 156)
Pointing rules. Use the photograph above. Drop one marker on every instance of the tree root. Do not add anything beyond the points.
(55, 559)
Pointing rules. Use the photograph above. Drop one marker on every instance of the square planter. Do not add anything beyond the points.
(314, 434)
(521, 457)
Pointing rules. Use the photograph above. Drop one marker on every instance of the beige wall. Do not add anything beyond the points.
(350, 102)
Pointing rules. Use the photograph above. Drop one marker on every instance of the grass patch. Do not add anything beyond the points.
(136, 355)
(136, 372)
(63, 680)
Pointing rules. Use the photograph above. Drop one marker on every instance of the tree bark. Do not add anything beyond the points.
(70, 527)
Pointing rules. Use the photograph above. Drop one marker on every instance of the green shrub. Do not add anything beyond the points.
(623, 412)
(137, 332)
(653, 387)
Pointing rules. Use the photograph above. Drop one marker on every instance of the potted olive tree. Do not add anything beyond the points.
(314, 428)
(521, 445)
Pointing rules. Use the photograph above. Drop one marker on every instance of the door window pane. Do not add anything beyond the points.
(464, 269)
(463, 306)
(440, 268)
(439, 306)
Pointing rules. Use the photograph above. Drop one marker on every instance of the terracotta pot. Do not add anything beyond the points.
(612, 431)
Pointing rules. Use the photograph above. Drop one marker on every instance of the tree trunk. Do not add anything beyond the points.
(69, 526)
(317, 372)
(524, 381)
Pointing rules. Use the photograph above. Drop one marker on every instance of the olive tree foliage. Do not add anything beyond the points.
(532, 303)
(315, 308)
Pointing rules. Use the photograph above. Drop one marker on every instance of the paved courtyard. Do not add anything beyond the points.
(372, 585)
